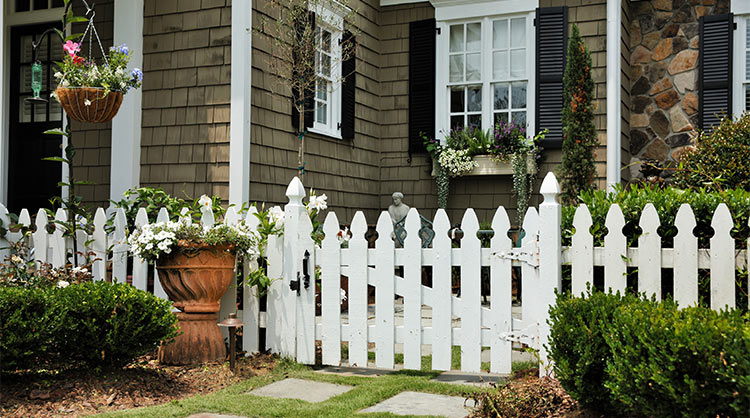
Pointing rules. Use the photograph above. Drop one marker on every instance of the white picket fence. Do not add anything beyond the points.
(292, 327)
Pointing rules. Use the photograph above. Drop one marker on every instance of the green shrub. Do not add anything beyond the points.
(720, 158)
(666, 201)
(26, 327)
(668, 362)
(624, 355)
(95, 324)
(578, 346)
(110, 324)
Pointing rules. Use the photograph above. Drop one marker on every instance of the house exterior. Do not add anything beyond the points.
(209, 119)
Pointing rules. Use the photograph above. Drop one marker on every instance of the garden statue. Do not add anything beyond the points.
(398, 210)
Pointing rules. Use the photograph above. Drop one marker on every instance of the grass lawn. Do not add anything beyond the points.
(367, 392)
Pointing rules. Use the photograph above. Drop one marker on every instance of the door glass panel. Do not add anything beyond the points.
(55, 111)
(41, 52)
(26, 48)
(457, 38)
(22, 5)
(500, 34)
(25, 81)
(58, 3)
(40, 112)
(40, 4)
(24, 110)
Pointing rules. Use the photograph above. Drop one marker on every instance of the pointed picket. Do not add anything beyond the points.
(5, 223)
(722, 260)
(184, 216)
(41, 238)
(413, 292)
(275, 312)
(685, 258)
(306, 301)
(120, 248)
(358, 271)
(207, 217)
(384, 293)
(162, 216)
(529, 274)
(81, 239)
(649, 253)
(23, 219)
(99, 248)
(615, 251)
(330, 292)
(500, 294)
(582, 250)
(231, 217)
(57, 241)
(471, 294)
(250, 301)
(442, 315)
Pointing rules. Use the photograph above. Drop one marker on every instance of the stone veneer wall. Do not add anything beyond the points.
(664, 58)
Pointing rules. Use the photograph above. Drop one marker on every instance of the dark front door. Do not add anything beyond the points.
(31, 181)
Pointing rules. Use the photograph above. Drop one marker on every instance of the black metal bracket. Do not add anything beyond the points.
(303, 276)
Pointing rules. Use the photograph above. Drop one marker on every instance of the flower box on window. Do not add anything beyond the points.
(488, 166)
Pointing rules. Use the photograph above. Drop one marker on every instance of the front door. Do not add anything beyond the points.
(31, 181)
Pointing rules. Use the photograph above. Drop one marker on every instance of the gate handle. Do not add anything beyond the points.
(294, 285)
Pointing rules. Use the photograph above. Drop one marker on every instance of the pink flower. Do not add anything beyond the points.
(71, 48)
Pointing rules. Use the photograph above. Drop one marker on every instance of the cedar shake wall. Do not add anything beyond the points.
(185, 125)
(93, 140)
(346, 171)
(663, 51)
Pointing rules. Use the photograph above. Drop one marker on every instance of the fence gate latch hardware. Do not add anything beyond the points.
(530, 258)
(303, 276)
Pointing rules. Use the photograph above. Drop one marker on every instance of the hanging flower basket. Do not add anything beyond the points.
(89, 104)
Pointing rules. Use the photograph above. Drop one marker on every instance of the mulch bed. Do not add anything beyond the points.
(79, 392)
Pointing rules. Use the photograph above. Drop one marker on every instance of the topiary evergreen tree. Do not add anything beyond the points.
(577, 171)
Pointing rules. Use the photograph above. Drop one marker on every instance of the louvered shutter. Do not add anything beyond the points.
(715, 69)
(421, 82)
(348, 87)
(551, 44)
(309, 94)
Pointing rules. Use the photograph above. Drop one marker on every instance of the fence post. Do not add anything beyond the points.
(550, 260)
(287, 328)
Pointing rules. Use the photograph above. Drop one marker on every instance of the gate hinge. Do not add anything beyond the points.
(519, 254)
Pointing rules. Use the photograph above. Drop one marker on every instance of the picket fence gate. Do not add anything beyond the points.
(293, 329)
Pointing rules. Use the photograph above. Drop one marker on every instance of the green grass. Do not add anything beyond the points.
(367, 392)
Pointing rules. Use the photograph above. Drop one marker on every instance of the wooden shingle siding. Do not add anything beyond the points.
(347, 171)
(185, 127)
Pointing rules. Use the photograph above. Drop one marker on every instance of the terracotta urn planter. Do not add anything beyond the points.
(195, 278)
(89, 104)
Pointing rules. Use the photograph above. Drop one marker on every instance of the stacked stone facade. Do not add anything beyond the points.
(664, 43)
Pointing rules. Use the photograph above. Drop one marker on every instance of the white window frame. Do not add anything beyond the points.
(332, 20)
(452, 12)
(741, 12)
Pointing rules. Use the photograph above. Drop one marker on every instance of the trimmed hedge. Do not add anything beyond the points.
(624, 355)
(96, 324)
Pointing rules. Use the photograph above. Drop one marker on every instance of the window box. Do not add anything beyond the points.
(490, 167)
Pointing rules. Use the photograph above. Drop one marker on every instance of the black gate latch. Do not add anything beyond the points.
(294, 285)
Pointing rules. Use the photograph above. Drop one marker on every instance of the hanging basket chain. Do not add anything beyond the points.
(91, 31)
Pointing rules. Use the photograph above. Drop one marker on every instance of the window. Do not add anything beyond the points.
(30, 5)
(482, 72)
(327, 112)
(745, 56)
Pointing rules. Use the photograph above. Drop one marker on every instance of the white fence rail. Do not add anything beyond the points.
(455, 318)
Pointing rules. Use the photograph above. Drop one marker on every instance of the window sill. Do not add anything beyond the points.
(324, 132)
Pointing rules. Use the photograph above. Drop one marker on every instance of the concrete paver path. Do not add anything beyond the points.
(306, 390)
(417, 403)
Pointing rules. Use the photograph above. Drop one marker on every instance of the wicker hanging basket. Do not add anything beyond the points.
(89, 104)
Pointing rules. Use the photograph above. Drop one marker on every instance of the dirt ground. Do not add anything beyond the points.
(74, 393)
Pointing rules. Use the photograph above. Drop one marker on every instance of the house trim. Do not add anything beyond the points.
(240, 103)
(125, 169)
(614, 84)
(741, 11)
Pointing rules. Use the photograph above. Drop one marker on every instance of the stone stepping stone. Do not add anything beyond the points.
(474, 379)
(354, 371)
(418, 403)
(306, 390)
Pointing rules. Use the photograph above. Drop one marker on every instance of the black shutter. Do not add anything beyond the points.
(309, 94)
(348, 70)
(551, 46)
(421, 82)
(715, 69)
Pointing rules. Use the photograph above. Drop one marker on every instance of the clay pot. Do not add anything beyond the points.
(195, 278)
(102, 108)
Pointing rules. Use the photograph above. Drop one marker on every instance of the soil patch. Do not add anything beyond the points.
(78, 392)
